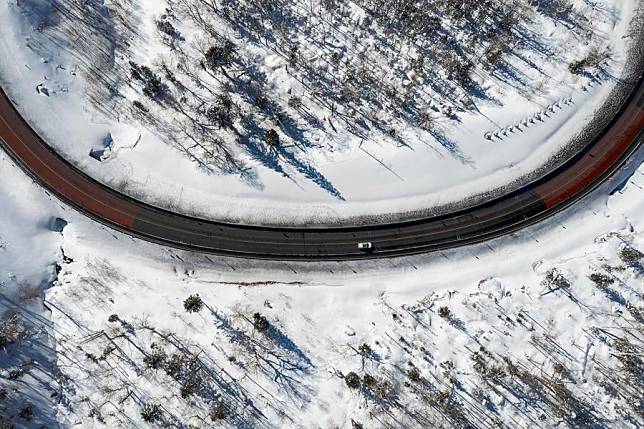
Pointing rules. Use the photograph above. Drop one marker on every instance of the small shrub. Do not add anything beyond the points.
(113, 318)
(414, 375)
(369, 380)
(444, 312)
(262, 102)
(601, 279)
(384, 391)
(293, 56)
(577, 67)
(220, 55)
(493, 55)
(554, 279)
(153, 88)
(479, 364)
(16, 373)
(425, 121)
(365, 349)
(460, 70)
(188, 389)
(353, 380)
(559, 368)
(295, 102)
(155, 359)
(176, 365)
(218, 411)
(630, 255)
(441, 397)
(169, 75)
(592, 60)
(151, 412)
(271, 138)
(223, 112)
(260, 322)
(91, 356)
(496, 372)
(596, 56)
(152, 85)
(193, 304)
(166, 28)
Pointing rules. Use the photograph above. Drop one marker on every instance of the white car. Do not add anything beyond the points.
(365, 246)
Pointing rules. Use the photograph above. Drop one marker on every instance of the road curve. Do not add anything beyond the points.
(598, 160)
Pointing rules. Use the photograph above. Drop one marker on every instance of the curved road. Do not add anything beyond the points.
(559, 189)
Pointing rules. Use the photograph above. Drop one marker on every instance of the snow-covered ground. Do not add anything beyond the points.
(539, 329)
(29, 250)
(67, 64)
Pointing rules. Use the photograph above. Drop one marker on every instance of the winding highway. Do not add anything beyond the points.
(597, 161)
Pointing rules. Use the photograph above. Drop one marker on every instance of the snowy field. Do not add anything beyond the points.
(311, 111)
(540, 329)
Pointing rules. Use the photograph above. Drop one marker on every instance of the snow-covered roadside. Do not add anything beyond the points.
(29, 250)
(531, 330)
(374, 179)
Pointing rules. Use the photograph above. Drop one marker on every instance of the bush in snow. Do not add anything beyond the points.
(555, 280)
(630, 255)
(166, 28)
(218, 411)
(189, 388)
(152, 85)
(592, 60)
(577, 67)
(365, 349)
(295, 102)
(369, 380)
(262, 102)
(493, 55)
(414, 375)
(150, 412)
(628, 354)
(271, 138)
(220, 55)
(601, 279)
(193, 304)
(222, 113)
(260, 322)
(444, 312)
(155, 359)
(176, 365)
(384, 391)
(353, 380)
(425, 121)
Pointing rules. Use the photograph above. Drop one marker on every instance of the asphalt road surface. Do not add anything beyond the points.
(598, 160)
